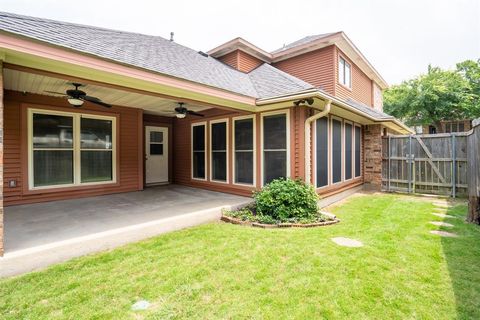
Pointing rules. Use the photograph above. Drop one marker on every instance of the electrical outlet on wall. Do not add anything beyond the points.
(12, 183)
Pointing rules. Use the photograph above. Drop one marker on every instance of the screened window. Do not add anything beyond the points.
(198, 151)
(358, 137)
(274, 147)
(348, 151)
(336, 151)
(344, 73)
(322, 151)
(219, 151)
(244, 151)
(58, 159)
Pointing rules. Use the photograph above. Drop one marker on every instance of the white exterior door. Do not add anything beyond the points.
(156, 151)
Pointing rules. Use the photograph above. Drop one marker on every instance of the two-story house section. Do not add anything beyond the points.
(329, 61)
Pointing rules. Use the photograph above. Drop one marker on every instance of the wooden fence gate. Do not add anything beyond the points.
(433, 164)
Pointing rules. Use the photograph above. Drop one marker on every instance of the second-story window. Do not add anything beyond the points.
(344, 73)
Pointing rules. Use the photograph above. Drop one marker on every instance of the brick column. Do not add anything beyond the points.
(372, 150)
(1, 158)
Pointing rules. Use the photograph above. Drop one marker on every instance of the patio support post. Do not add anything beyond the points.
(1, 156)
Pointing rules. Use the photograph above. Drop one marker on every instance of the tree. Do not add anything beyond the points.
(437, 96)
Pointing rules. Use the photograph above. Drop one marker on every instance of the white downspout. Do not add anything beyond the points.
(307, 130)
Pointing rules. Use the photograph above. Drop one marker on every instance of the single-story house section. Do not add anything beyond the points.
(90, 111)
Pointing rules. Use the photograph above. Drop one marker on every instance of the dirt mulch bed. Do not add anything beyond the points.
(278, 225)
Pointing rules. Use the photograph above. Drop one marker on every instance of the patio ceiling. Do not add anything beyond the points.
(22, 81)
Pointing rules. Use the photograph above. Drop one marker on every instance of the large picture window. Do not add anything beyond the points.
(321, 137)
(337, 146)
(275, 147)
(358, 137)
(198, 151)
(348, 151)
(219, 146)
(68, 149)
(244, 140)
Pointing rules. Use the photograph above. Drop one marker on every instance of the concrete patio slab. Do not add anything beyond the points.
(41, 234)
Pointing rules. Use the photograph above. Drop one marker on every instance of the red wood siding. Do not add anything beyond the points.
(241, 61)
(129, 150)
(315, 67)
(362, 88)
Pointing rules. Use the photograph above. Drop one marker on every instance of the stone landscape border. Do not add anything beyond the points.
(278, 225)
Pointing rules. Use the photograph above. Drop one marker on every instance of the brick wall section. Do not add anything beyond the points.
(1, 158)
(372, 166)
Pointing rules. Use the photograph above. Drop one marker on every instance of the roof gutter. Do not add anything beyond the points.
(308, 127)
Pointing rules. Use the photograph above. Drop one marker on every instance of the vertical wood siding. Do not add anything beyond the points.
(129, 150)
(316, 67)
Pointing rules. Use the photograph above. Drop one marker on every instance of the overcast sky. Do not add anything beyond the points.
(400, 38)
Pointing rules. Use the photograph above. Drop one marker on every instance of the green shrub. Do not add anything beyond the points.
(287, 200)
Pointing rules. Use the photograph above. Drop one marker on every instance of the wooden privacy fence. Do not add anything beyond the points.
(433, 164)
(473, 145)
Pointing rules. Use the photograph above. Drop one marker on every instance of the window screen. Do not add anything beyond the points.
(274, 147)
(336, 151)
(243, 136)
(198, 149)
(322, 151)
(358, 137)
(348, 151)
(219, 151)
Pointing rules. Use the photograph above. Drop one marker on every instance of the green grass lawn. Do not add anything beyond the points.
(227, 271)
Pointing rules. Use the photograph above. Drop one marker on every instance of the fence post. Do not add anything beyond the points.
(389, 161)
(409, 163)
(454, 165)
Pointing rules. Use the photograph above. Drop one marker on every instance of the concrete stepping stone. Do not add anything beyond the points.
(444, 234)
(347, 242)
(442, 215)
(140, 305)
(441, 224)
(441, 204)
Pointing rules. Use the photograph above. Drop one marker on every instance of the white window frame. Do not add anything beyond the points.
(287, 119)
(342, 71)
(361, 146)
(342, 174)
(345, 150)
(254, 150)
(329, 154)
(210, 151)
(76, 130)
(194, 124)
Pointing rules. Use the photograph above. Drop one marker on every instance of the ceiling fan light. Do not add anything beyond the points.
(75, 102)
(180, 115)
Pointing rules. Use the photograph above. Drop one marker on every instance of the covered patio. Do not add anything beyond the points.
(37, 235)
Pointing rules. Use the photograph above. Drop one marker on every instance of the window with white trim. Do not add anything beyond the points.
(68, 149)
(321, 141)
(275, 144)
(348, 151)
(358, 146)
(344, 72)
(198, 151)
(244, 151)
(219, 145)
(337, 146)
